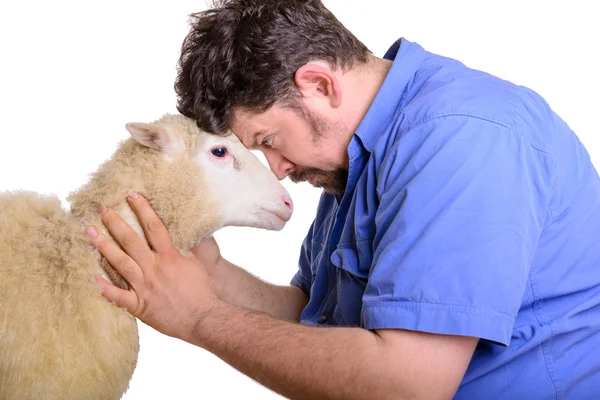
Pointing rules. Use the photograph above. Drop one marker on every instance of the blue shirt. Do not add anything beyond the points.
(471, 209)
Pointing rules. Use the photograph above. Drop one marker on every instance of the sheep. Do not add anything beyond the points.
(59, 338)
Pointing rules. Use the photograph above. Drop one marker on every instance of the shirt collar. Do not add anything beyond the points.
(406, 56)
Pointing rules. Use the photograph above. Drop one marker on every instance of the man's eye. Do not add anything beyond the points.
(268, 141)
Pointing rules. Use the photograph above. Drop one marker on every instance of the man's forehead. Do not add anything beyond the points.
(245, 126)
(247, 116)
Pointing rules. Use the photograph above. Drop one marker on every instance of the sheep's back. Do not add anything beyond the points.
(59, 338)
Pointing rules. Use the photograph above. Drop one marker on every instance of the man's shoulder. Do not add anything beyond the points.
(443, 96)
(449, 110)
(422, 86)
(444, 91)
(444, 87)
(432, 86)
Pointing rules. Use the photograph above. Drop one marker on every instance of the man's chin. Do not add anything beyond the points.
(331, 189)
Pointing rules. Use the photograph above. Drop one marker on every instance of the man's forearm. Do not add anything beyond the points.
(296, 361)
(236, 286)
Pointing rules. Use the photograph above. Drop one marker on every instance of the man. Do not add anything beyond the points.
(455, 248)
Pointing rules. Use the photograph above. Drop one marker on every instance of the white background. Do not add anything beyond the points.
(72, 74)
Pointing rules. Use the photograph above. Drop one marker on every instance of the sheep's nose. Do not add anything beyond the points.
(288, 202)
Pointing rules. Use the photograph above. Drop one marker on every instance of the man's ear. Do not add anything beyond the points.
(317, 81)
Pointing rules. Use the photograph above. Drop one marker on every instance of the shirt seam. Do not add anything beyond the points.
(455, 307)
(548, 359)
(487, 119)
(518, 108)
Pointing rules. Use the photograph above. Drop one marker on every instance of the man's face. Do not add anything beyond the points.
(302, 145)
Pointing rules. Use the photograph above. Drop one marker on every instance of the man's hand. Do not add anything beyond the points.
(169, 291)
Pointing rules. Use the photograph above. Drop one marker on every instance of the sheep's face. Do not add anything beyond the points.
(247, 191)
(244, 191)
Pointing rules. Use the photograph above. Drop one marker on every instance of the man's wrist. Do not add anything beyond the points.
(200, 329)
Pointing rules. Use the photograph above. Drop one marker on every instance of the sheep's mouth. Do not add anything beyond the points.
(282, 215)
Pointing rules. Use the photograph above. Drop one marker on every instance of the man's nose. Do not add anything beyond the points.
(280, 165)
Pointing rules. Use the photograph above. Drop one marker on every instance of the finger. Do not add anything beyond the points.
(189, 254)
(128, 239)
(116, 257)
(156, 232)
(207, 251)
(122, 298)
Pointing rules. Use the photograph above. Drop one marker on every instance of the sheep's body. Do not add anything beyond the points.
(59, 338)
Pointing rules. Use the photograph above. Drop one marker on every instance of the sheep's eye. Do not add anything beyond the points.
(219, 152)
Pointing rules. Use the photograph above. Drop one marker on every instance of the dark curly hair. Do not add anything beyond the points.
(244, 53)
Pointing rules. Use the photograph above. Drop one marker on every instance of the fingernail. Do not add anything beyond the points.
(102, 209)
(133, 195)
(91, 231)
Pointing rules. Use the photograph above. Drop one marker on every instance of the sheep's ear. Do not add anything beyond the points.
(150, 135)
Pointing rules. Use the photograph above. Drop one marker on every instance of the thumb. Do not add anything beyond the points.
(207, 251)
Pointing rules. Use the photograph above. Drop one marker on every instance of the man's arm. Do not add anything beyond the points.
(238, 287)
(303, 362)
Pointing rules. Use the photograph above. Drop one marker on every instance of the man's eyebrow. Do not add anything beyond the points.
(255, 135)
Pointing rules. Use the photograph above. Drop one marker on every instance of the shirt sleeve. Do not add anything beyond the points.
(463, 202)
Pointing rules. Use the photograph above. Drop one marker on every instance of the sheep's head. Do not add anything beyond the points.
(201, 174)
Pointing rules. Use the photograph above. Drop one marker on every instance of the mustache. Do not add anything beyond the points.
(301, 175)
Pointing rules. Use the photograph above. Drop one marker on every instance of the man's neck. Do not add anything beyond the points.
(361, 86)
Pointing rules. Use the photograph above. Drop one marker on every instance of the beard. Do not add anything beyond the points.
(333, 182)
